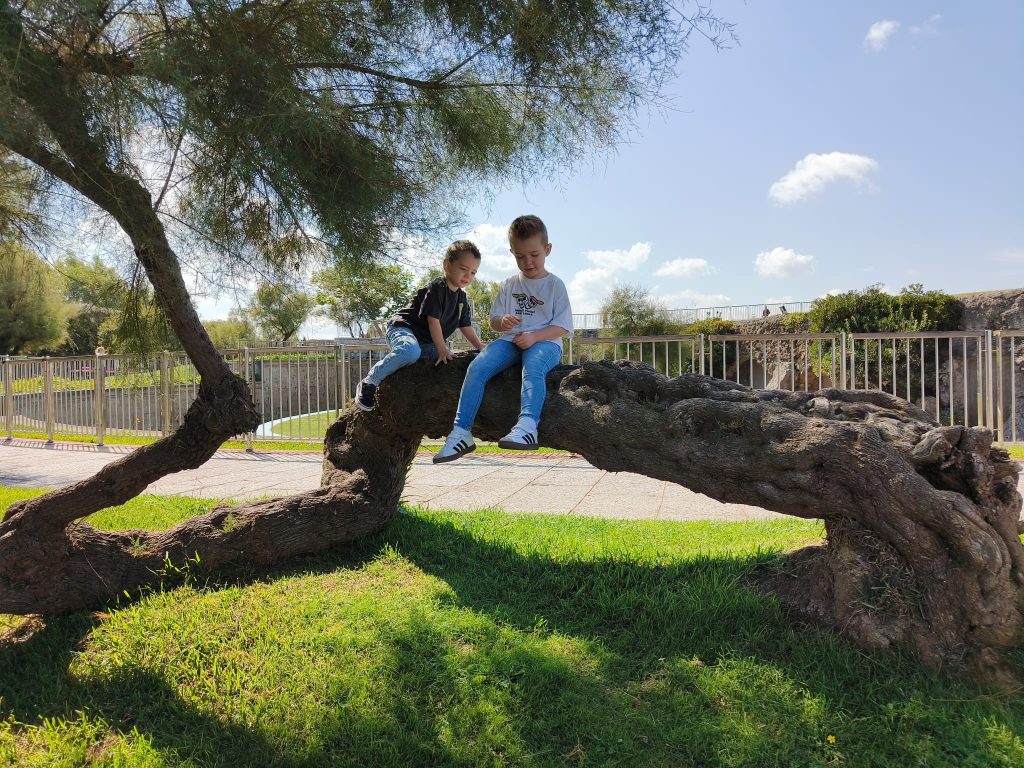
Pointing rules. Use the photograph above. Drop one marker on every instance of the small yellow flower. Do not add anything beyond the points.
(830, 739)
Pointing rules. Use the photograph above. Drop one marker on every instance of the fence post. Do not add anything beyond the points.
(842, 360)
(247, 377)
(702, 354)
(342, 355)
(989, 415)
(9, 398)
(48, 408)
(570, 349)
(165, 393)
(99, 373)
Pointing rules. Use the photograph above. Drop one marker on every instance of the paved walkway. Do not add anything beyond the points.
(512, 482)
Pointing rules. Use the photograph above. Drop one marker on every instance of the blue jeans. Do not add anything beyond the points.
(537, 361)
(406, 349)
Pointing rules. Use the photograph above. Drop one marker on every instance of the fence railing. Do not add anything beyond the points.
(974, 378)
(600, 320)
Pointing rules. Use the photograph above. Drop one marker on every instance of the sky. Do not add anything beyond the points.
(837, 146)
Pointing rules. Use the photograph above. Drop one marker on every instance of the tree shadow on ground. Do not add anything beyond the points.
(649, 687)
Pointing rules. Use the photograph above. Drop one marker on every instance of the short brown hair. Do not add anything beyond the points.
(527, 226)
(461, 246)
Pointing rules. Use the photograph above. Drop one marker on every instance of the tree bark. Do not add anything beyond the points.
(922, 555)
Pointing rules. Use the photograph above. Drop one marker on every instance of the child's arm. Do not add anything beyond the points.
(470, 333)
(443, 353)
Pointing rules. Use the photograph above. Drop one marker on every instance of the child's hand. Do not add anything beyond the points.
(443, 356)
(523, 340)
(508, 322)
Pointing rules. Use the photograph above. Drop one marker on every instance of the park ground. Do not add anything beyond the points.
(481, 639)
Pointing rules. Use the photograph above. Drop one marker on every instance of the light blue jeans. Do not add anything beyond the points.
(537, 361)
(406, 349)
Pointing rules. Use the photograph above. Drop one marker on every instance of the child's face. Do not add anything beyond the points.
(460, 271)
(530, 253)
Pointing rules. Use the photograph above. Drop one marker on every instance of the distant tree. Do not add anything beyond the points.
(629, 310)
(354, 293)
(33, 315)
(482, 294)
(228, 334)
(95, 292)
(19, 187)
(279, 310)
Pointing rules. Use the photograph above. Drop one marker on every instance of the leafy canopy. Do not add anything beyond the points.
(272, 130)
(355, 294)
(872, 310)
(32, 312)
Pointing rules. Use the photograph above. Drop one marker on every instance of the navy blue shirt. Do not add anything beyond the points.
(451, 308)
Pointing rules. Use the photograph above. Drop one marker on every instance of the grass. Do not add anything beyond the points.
(483, 639)
(1016, 451)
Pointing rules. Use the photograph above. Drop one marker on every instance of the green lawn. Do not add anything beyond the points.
(483, 639)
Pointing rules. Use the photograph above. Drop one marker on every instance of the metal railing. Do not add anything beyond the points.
(974, 378)
(600, 320)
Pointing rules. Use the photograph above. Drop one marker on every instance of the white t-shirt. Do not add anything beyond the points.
(537, 303)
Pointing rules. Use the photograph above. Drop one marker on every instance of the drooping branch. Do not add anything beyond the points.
(929, 511)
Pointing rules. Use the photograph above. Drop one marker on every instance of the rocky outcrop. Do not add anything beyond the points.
(993, 310)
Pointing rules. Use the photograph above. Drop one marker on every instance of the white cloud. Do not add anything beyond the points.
(879, 33)
(628, 261)
(686, 298)
(814, 171)
(779, 300)
(783, 262)
(588, 288)
(683, 268)
(496, 261)
(927, 27)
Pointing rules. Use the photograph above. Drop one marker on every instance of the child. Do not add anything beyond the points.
(434, 312)
(532, 309)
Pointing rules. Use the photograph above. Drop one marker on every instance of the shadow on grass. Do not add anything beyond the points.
(596, 662)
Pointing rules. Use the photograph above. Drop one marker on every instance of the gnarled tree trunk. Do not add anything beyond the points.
(922, 555)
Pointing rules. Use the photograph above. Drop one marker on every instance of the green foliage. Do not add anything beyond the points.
(279, 310)
(297, 128)
(236, 331)
(93, 284)
(355, 293)
(877, 364)
(482, 295)
(629, 310)
(874, 311)
(711, 326)
(32, 312)
(19, 186)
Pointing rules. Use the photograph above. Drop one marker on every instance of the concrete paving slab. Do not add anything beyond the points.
(514, 482)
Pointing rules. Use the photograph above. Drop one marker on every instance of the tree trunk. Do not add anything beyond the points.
(922, 555)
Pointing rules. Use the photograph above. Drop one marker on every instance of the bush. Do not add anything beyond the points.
(874, 311)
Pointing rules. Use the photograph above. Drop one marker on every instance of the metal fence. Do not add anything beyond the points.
(600, 320)
(973, 378)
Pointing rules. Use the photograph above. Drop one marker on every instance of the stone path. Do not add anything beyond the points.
(512, 482)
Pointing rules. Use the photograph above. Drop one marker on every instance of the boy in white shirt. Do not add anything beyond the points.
(533, 312)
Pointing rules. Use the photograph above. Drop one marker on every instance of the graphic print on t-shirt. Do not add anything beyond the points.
(526, 303)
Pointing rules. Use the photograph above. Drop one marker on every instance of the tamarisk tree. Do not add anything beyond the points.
(241, 138)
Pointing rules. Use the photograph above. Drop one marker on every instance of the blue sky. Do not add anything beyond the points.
(838, 146)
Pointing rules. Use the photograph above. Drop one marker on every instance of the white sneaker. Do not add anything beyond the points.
(459, 443)
(520, 438)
